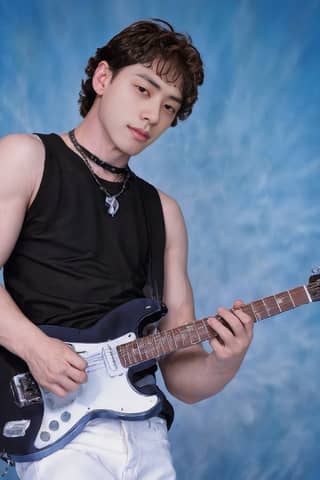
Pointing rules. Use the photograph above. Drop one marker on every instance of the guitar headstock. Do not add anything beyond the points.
(314, 284)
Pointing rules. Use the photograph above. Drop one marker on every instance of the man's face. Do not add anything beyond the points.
(137, 106)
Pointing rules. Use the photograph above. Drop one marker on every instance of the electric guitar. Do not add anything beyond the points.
(34, 422)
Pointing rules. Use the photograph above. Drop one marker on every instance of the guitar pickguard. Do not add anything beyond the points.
(107, 393)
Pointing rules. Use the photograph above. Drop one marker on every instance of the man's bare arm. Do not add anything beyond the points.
(53, 364)
(193, 374)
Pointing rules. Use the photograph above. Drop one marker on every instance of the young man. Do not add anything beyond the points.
(75, 244)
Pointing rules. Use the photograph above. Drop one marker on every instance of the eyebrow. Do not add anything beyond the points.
(157, 86)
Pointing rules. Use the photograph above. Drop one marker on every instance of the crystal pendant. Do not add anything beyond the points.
(112, 204)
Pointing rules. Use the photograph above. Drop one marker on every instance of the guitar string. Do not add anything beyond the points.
(96, 361)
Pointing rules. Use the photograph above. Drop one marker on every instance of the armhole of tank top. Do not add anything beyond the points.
(36, 199)
(155, 275)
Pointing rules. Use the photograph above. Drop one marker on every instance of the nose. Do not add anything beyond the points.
(151, 112)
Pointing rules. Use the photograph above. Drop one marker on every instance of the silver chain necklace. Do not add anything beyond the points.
(110, 201)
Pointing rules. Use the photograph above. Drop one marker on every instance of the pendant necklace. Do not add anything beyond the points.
(111, 201)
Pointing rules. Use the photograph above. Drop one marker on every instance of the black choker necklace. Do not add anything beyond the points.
(111, 201)
(97, 160)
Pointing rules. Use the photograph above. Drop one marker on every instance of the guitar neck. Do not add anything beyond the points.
(168, 341)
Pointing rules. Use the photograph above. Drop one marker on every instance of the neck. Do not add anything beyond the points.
(94, 138)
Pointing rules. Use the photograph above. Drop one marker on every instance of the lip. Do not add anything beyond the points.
(139, 134)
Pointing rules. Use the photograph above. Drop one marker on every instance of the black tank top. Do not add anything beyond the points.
(73, 262)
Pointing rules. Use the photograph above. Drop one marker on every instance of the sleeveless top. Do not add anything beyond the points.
(73, 262)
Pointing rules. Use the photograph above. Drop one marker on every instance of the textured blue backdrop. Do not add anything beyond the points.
(245, 171)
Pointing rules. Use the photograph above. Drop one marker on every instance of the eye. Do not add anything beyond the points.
(170, 109)
(141, 89)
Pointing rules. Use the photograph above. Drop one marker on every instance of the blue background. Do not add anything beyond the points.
(245, 170)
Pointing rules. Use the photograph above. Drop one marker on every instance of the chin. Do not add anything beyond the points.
(133, 150)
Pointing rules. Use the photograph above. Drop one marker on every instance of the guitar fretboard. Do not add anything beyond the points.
(168, 341)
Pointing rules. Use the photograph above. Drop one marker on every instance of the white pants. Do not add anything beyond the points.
(108, 449)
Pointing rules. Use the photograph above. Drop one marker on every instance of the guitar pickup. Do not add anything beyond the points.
(111, 361)
(25, 390)
(16, 428)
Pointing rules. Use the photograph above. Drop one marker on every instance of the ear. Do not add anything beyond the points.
(101, 77)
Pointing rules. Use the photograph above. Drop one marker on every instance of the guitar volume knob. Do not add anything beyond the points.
(65, 416)
(54, 425)
(45, 436)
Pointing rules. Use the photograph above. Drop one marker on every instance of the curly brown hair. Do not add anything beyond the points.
(144, 42)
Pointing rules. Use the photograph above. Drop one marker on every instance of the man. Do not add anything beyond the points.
(75, 244)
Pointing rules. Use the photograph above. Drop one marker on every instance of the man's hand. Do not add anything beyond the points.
(56, 366)
(232, 344)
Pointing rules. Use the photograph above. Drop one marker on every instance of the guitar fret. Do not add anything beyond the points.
(161, 337)
(265, 306)
(282, 300)
(187, 334)
(201, 329)
(182, 335)
(158, 353)
(178, 338)
(132, 350)
(129, 356)
(254, 313)
(143, 348)
(204, 324)
(139, 351)
(174, 340)
(197, 331)
(194, 334)
(294, 305)
(276, 303)
(125, 353)
(300, 295)
(271, 306)
(307, 293)
(151, 347)
(276, 299)
(259, 314)
(170, 340)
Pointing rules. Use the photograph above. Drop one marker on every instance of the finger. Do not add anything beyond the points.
(77, 376)
(218, 346)
(68, 385)
(56, 389)
(233, 321)
(223, 332)
(77, 361)
(237, 304)
(244, 318)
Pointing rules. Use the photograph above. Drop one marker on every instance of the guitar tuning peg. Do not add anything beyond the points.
(315, 275)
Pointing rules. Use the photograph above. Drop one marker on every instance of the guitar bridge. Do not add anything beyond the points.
(25, 390)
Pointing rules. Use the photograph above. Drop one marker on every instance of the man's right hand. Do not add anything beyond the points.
(56, 366)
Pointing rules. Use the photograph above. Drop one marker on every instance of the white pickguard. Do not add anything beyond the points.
(107, 389)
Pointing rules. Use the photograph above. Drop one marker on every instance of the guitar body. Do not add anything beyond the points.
(35, 422)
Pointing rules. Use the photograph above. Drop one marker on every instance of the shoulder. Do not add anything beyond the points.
(173, 219)
(22, 159)
(170, 206)
(20, 146)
